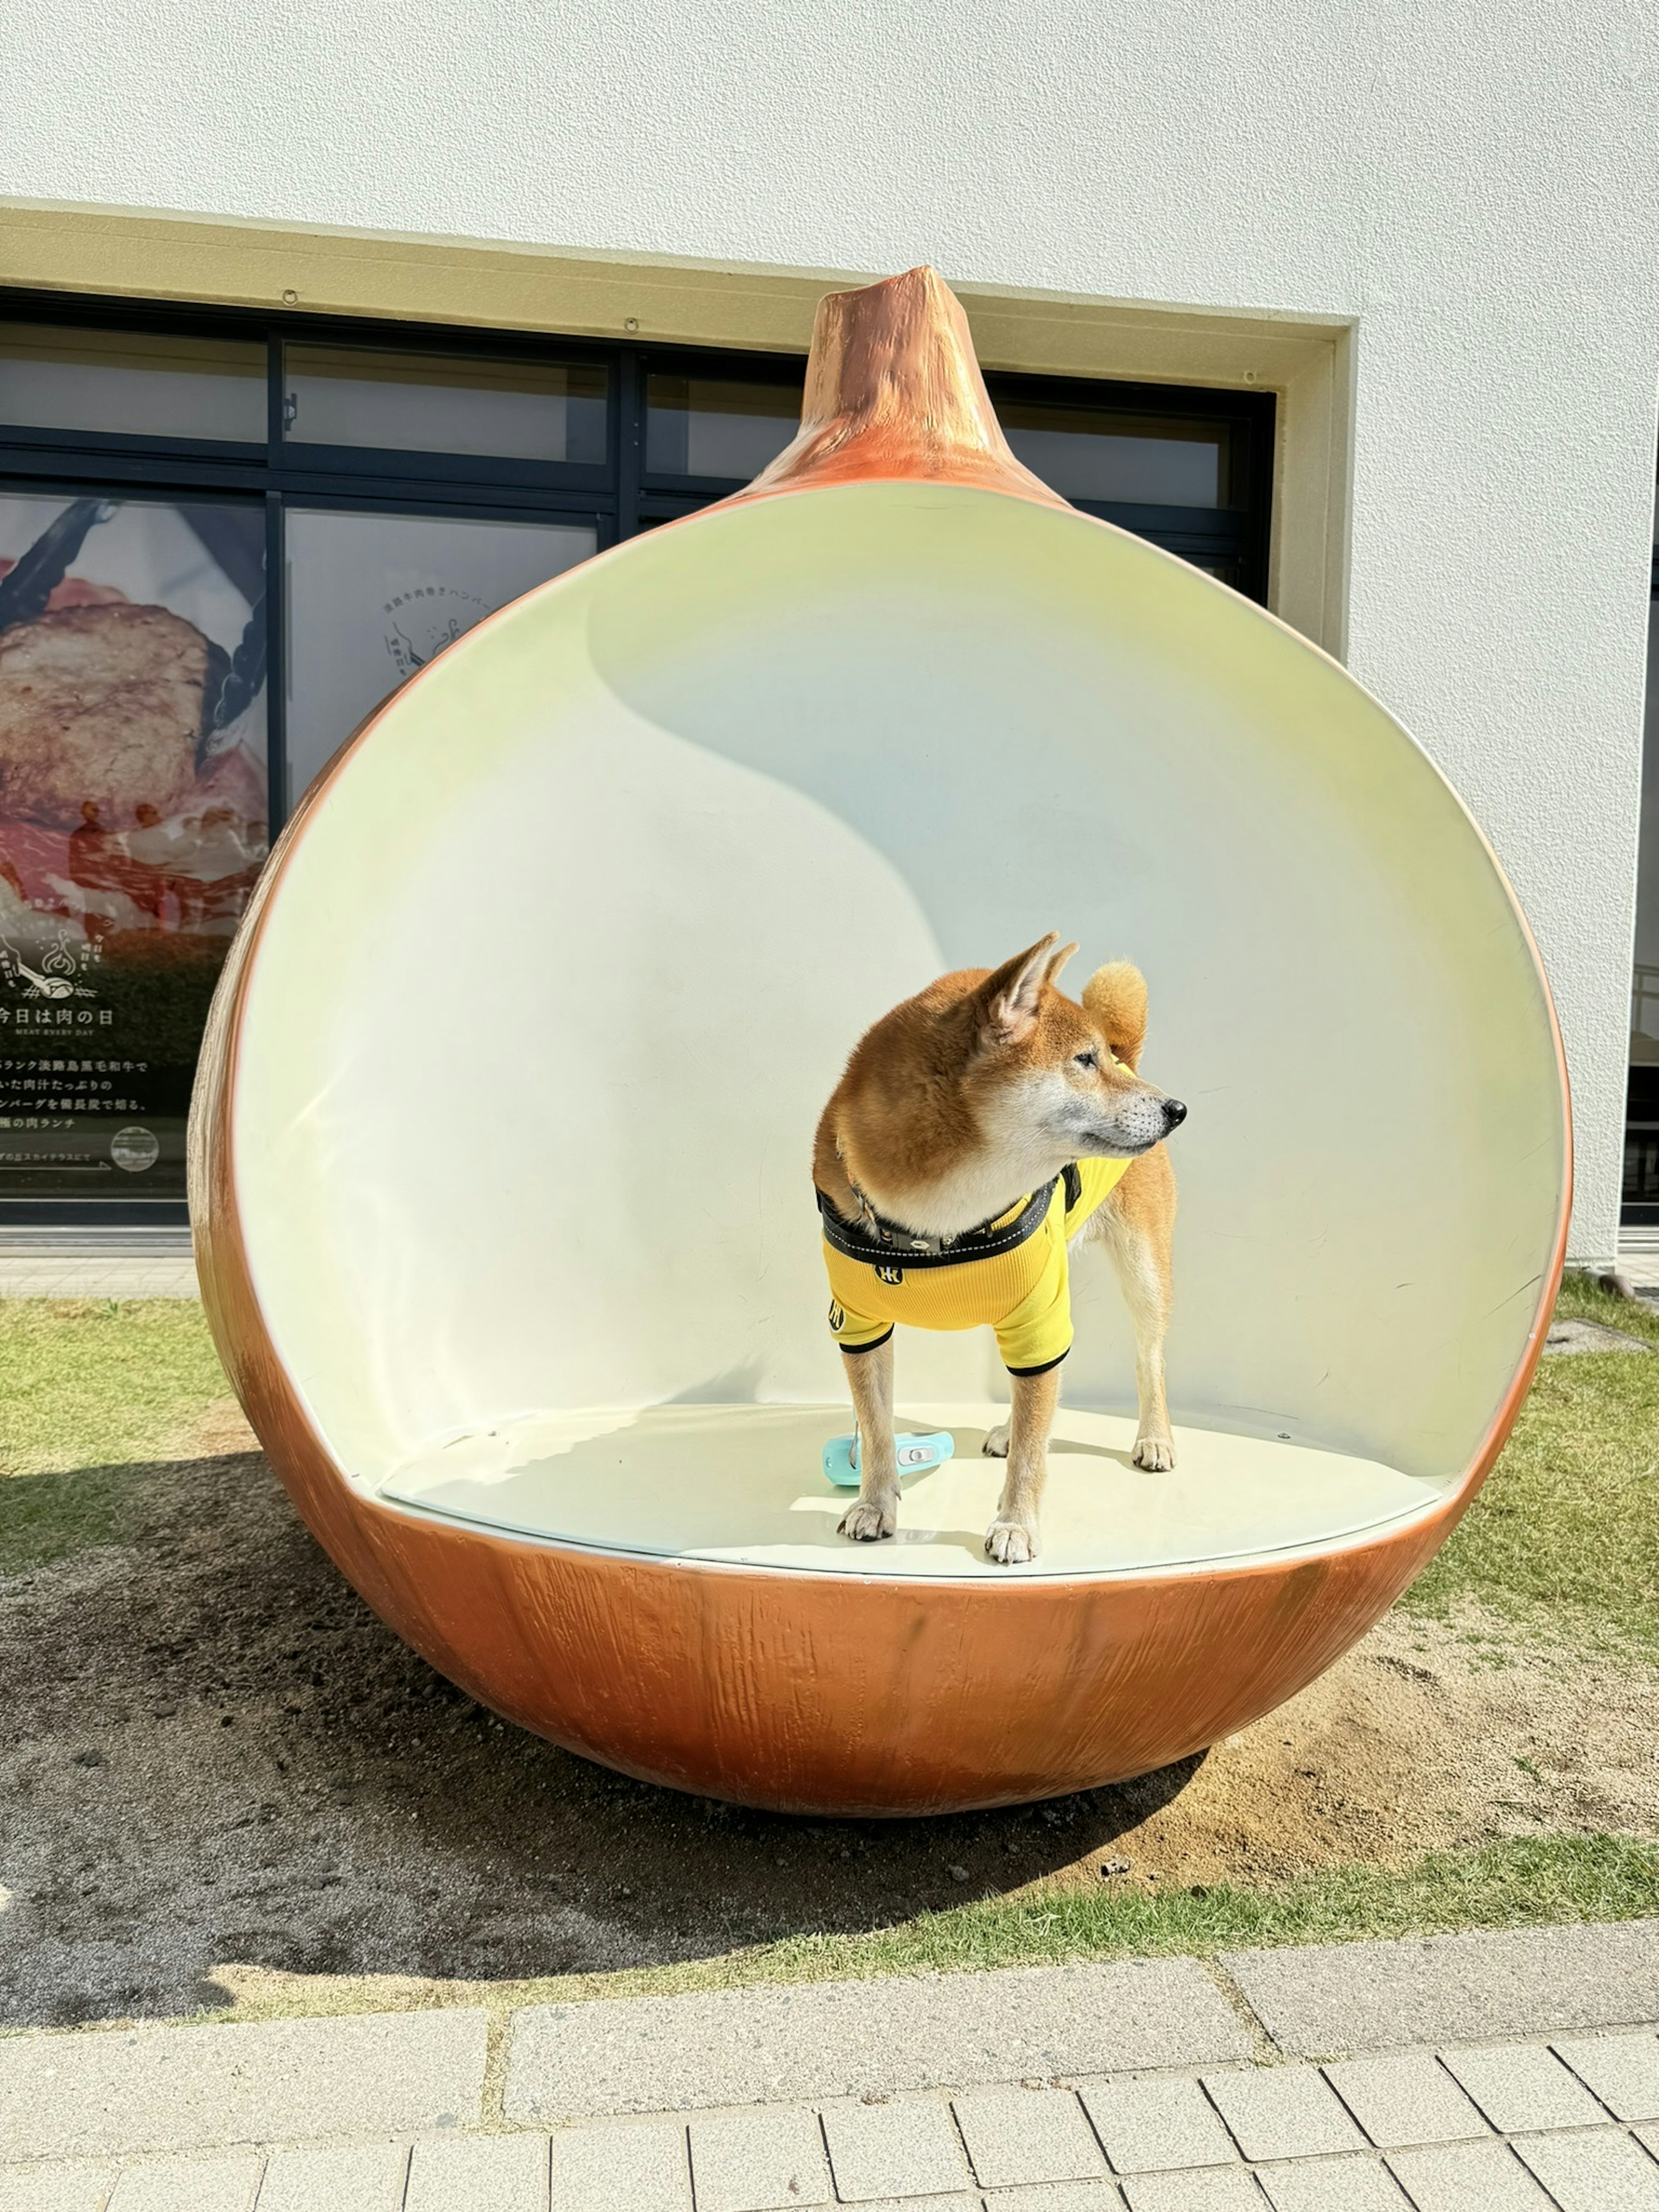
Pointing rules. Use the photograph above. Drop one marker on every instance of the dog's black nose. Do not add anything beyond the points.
(1174, 1112)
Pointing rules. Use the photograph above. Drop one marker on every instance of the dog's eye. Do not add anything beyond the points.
(1088, 1059)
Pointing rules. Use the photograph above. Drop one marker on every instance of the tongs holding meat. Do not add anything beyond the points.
(234, 680)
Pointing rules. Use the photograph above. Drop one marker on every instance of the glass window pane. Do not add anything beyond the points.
(702, 426)
(132, 823)
(1645, 982)
(131, 381)
(372, 598)
(1641, 1180)
(1088, 453)
(443, 404)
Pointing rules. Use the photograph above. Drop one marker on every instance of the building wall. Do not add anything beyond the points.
(1468, 192)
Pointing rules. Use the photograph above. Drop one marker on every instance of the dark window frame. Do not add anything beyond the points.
(1639, 1204)
(618, 501)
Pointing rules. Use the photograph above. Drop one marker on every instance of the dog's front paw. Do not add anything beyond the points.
(1010, 1543)
(1156, 1454)
(870, 1519)
(995, 1446)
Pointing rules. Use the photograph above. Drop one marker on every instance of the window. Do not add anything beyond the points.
(136, 383)
(1194, 477)
(134, 796)
(380, 400)
(1641, 1185)
(226, 540)
(1093, 454)
(726, 428)
(372, 598)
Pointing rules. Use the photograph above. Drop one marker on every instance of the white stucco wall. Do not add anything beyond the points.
(1473, 186)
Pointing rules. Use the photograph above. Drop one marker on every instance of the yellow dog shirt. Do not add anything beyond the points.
(1010, 1275)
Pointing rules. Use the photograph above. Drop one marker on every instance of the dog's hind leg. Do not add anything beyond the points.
(1136, 1225)
(874, 1513)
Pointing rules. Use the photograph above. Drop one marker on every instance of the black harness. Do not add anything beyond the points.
(878, 1242)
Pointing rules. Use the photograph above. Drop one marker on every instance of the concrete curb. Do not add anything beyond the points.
(1330, 1999)
(91, 2094)
(85, 2094)
(829, 2039)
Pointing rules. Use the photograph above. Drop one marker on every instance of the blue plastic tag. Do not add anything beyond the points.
(915, 1454)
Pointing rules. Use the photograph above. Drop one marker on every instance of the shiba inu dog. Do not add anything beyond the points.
(980, 1129)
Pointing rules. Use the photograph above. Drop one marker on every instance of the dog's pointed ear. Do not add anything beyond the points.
(1057, 961)
(1011, 996)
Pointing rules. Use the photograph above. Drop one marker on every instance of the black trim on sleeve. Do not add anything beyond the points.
(874, 1345)
(1046, 1365)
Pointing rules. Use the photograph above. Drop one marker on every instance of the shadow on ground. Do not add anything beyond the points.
(215, 1755)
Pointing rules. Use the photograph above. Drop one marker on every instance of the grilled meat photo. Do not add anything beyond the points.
(102, 707)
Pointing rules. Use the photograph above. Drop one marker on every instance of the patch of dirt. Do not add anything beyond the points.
(1428, 1736)
(216, 1432)
(1567, 1336)
(223, 1782)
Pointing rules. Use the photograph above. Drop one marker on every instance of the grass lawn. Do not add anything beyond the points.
(96, 1383)
(1547, 1883)
(88, 1390)
(1564, 1535)
(1544, 1882)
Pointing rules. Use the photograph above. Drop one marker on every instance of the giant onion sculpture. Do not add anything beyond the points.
(501, 1136)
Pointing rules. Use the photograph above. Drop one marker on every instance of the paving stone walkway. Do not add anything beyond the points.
(112, 1264)
(1279, 2081)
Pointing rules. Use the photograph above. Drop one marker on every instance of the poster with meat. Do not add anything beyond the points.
(133, 821)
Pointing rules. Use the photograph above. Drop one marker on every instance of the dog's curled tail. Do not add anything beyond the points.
(1115, 995)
